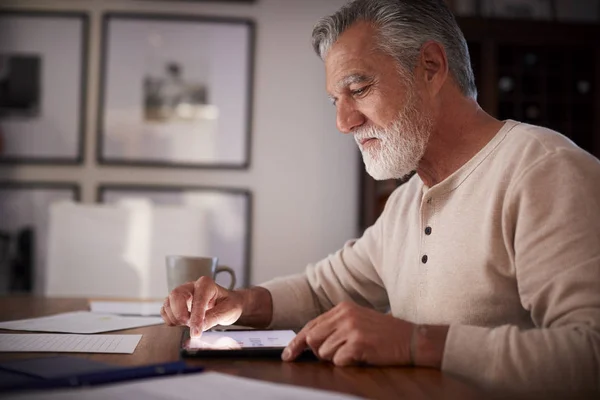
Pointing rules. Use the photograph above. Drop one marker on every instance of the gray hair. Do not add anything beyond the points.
(403, 27)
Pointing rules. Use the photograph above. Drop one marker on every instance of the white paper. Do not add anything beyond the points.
(144, 308)
(241, 339)
(44, 342)
(208, 385)
(80, 322)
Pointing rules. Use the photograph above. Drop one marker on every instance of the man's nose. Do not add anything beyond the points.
(348, 117)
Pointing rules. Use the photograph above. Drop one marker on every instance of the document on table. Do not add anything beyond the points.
(80, 322)
(127, 307)
(189, 387)
(54, 343)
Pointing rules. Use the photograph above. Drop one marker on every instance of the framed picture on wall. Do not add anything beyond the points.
(189, 221)
(24, 227)
(43, 58)
(176, 91)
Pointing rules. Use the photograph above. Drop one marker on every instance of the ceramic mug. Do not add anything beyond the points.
(184, 269)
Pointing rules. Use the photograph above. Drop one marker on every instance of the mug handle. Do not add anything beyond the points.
(223, 268)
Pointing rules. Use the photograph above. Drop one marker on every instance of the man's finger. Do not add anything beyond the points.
(204, 290)
(178, 303)
(331, 345)
(219, 314)
(169, 313)
(316, 331)
(295, 347)
(165, 317)
(312, 335)
(163, 313)
(344, 356)
(321, 331)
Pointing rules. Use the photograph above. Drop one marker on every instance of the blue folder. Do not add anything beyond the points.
(63, 372)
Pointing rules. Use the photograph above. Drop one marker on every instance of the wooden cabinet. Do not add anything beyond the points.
(543, 73)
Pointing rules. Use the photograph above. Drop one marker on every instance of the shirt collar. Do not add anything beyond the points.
(458, 177)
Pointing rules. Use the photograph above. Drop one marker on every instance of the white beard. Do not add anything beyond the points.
(399, 147)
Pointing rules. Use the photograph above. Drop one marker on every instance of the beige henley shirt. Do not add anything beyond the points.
(511, 262)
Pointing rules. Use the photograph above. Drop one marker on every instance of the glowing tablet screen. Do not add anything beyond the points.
(236, 340)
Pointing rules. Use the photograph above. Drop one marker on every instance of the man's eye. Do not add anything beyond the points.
(358, 92)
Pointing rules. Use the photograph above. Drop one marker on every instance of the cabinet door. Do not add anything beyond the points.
(551, 86)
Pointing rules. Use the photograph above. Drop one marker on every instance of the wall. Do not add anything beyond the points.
(303, 174)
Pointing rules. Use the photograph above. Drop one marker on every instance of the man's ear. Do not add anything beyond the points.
(434, 65)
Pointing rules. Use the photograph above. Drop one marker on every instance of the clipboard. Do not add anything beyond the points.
(25, 374)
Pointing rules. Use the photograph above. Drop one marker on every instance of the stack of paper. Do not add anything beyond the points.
(55, 343)
(127, 307)
(83, 322)
(80, 322)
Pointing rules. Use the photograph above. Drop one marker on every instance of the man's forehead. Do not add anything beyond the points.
(349, 58)
(350, 70)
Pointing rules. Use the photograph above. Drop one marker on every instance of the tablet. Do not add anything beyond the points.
(239, 343)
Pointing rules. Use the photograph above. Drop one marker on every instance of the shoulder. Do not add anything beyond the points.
(533, 144)
(527, 148)
(545, 161)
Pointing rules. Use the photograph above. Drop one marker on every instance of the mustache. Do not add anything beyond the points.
(370, 132)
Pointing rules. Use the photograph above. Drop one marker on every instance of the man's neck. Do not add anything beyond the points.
(460, 133)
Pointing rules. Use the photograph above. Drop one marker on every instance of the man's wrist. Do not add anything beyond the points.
(257, 307)
(427, 345)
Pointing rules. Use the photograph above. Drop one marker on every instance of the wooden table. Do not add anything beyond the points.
(160, 344)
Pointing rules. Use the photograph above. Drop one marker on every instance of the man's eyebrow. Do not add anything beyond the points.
(349, 80)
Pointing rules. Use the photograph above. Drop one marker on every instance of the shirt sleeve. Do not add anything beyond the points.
(351, 274)
(551, 224)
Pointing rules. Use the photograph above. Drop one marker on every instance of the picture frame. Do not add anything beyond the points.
(192, 221)
(24, 227)
(43, 84)
(186, 106)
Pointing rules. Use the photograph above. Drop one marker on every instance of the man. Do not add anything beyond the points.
(488, 258)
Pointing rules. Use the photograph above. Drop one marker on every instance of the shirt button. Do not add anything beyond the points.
(424, 259)
(428, 230)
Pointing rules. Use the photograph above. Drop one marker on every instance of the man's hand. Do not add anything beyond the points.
(201, 305)
(349, 334)
(204, 304)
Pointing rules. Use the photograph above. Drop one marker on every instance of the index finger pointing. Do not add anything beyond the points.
(204, 291)
(295, 346)
(319, 328)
